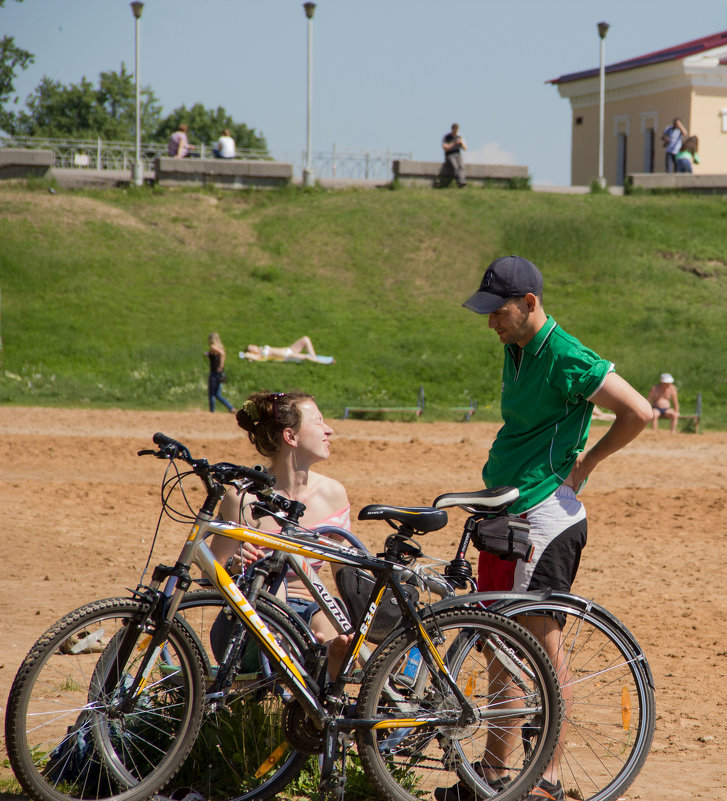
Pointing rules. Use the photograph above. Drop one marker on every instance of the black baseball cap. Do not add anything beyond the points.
(507, 277)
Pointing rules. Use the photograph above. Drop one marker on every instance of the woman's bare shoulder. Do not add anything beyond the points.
(332, 490)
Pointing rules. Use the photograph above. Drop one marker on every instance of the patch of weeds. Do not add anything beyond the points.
(270, 275)
(520, 183)
(40, 183)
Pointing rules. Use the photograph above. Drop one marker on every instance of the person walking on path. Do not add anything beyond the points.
(453, 145)
(550, 383)
(216, 355)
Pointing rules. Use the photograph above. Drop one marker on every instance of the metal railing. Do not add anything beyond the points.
(355, 163)
(101, 154)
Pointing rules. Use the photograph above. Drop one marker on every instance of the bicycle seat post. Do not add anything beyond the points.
(459, 570)
(262, 570)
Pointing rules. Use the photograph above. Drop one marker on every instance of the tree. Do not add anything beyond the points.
(12, 58)
(206, 125)
(82, 111)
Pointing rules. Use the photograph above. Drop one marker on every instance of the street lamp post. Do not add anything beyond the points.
(136, 9)
(308, 179)
(602, 31)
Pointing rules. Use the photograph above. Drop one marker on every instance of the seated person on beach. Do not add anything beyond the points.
(301, 350)
(599, 414)
(664, 402)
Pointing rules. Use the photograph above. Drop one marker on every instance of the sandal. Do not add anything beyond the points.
(461, 792)
(546, 791)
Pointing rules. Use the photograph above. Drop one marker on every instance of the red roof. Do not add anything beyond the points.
(669, 54)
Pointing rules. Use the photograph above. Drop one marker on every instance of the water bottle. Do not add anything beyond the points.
(411, 668)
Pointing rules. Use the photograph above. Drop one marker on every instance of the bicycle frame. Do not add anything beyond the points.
(328, 605)
(282, 561)
(303, 686)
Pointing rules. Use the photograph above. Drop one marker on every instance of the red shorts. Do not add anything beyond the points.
(557, 534)
(494, 573)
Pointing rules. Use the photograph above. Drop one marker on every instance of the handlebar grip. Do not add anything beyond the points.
(259, 475)
(163, 441)
(170, 445)
(227, 472)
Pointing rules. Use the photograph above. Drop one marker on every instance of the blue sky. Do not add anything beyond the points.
(387, 73)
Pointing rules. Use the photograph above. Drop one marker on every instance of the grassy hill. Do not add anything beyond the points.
(108, 296)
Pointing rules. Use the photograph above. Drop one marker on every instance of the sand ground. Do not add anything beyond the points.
(79, 509)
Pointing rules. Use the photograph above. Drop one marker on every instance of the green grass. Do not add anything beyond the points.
(108, 296)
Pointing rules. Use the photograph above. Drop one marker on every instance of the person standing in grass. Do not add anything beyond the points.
(216, 355)
(550, 383)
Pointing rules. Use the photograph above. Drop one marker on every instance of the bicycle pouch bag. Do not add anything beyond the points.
(355, 585)
(505, 536)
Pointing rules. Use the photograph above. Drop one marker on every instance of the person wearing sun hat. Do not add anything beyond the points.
(550, 383)
(664, 402)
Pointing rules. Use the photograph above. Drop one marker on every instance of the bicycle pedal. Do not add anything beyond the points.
(333, 787)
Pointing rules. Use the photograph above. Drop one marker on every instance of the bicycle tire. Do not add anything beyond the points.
(242, 730)
(64, 738)
(423, 758)
(610, 705)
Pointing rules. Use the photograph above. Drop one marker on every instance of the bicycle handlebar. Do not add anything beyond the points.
(224, 472)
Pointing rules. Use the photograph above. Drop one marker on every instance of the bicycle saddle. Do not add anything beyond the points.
(490, 500)
(420, 519)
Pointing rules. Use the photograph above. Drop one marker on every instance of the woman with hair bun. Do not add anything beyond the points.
(288, 429)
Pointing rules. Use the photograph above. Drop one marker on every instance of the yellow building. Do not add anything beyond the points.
(642, 97)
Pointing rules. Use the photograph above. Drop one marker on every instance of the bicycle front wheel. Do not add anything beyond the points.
(507, 682)
(608, 692)
(66, 733)
(241, 753)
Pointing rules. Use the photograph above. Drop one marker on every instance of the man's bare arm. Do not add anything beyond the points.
(632, 412)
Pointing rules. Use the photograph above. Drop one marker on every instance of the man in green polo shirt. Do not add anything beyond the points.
(550, 383)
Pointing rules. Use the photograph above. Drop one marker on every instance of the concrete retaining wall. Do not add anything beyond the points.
(19, 163)
(223, 173)
(435, 173)
(682, 181)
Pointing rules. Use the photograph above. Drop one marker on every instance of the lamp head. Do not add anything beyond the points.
(309, 8)
(136, 8)
(603, 29)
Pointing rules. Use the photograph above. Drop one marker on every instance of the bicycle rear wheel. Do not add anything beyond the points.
(66, 736)
(241, 752)
(608, 692)
(507, 679)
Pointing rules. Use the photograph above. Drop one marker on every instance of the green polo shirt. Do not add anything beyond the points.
(546, 411)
